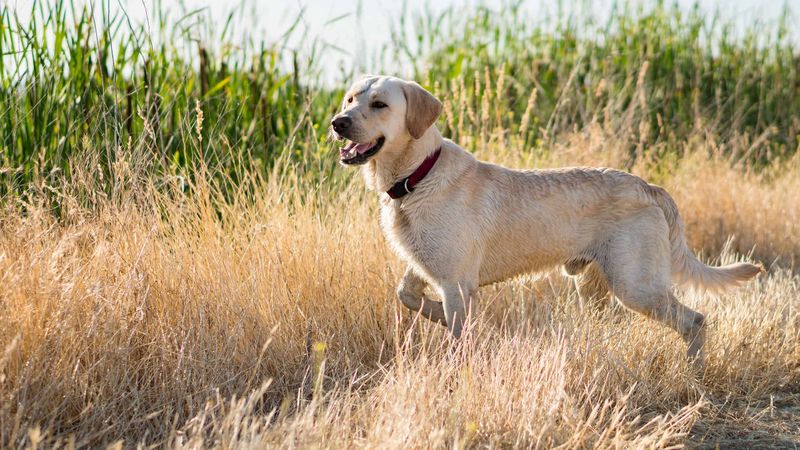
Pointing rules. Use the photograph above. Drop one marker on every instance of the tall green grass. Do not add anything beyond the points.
(75, 79)
(673, 71)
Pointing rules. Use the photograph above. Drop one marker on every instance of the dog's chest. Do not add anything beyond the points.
(403, 229)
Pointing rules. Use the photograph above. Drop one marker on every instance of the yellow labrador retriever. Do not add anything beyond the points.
(461, 223)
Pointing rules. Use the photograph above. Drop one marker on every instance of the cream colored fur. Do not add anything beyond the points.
(470, 223)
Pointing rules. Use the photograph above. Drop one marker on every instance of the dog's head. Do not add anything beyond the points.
(382, 113)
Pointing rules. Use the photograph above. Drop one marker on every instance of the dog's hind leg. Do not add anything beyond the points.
(592, 287)
(691, 325)
(575, 266)
(638, 270)
(666, 309)
(411, 292)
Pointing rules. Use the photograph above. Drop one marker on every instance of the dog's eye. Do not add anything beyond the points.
(379, 105)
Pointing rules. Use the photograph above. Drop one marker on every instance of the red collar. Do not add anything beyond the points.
(406, 185)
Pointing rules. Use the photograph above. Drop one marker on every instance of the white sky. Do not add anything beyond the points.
(273, 16)
(338, 23)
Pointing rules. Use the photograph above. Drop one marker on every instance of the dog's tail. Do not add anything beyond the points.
(686, 268)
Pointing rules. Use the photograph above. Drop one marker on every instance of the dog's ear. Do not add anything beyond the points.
(422, 109)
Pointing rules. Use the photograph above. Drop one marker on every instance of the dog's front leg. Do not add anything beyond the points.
(411, 292)
(459, 305)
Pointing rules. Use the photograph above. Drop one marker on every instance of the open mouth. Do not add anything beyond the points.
(355, 154)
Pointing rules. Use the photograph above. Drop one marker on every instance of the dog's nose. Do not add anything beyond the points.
(341, 124)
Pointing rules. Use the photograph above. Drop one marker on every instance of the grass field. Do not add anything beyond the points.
(183, 264)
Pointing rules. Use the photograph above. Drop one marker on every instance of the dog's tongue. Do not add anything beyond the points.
(359, 148)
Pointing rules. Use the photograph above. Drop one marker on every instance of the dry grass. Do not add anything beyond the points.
(159, 318)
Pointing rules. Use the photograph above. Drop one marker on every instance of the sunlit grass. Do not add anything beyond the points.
(195, 319)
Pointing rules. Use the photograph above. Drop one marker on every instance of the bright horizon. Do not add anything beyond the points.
(354, 31)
